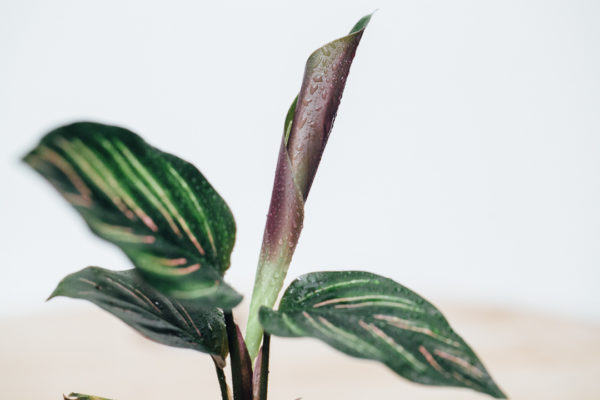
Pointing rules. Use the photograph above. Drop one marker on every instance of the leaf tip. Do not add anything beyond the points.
(362, 23)
(60, 289)
(55, 293)
(29, 157)
(496, 392)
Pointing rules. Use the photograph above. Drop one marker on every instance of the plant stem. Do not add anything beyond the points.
(264, 367)
(269, 281)
(222, 381)
(240, 391)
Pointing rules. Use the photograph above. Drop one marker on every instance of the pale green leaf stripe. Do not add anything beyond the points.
(369, 316)
(157, 208)
(163, 319)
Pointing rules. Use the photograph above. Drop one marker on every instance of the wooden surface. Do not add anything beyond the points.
(531, 357)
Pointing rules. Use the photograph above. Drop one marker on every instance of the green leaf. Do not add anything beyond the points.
(125, 295)
(368, 316)
(79, 396)
(157, 208)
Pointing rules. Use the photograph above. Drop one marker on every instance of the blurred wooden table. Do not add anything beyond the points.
(88, 351)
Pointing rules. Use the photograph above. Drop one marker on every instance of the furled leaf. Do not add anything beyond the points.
(307, 126)
(368, 316)
(316, 106)
(79, 396)
(165, 320)
(157, 208)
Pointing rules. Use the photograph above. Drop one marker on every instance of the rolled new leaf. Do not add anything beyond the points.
(165, 320)
(159, 209)
(368, 316)
(306, 130)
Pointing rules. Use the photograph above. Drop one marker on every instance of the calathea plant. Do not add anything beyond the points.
(179, 233)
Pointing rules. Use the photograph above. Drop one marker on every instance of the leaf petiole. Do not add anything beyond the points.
(264, 367)
(222, 380)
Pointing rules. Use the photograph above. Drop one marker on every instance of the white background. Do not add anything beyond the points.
(463, 162)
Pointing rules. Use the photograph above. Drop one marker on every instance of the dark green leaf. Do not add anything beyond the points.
(79, 396)
(369, 316)
(165, 320)
(157, 208)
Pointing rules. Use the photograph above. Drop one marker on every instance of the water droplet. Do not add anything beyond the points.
(302, 122)
(313, 89)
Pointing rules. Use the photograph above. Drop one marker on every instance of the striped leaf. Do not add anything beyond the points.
(368, 316)
(157, 208)
(165, 320)
(79, 396)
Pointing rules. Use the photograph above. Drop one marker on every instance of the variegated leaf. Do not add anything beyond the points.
(368, 316)
(165, 320)
(157, 208)
(79, 396)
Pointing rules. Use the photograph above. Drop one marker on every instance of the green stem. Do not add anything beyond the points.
(269, 281)
(222, 381)
(264, 367)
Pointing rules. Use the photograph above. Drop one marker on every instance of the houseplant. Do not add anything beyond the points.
(179, 234)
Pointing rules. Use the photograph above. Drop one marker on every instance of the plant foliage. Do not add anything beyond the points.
(159, 209)
(179, 233)
(79, 396)
(368, 316)
(165, 320)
